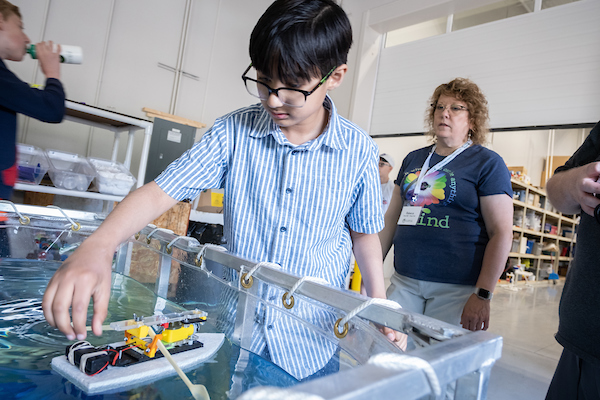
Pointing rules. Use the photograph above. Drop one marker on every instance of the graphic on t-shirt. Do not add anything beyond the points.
(432, 188)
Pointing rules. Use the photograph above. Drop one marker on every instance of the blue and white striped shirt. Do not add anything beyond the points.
(284, 203)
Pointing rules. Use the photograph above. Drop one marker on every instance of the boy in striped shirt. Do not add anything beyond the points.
(301, 185)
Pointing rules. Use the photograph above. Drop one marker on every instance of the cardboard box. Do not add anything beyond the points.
(211, 200)
(557, 161)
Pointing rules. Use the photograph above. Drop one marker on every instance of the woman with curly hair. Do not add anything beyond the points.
(450, 217)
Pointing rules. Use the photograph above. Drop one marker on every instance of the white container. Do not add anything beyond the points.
(112, 177)
(69, 171)
(32, 164)
(68, 54)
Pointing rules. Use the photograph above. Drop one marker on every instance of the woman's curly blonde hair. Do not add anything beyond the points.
(464, 90)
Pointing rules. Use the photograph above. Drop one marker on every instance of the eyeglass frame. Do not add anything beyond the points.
(276, 91)
(449, 108)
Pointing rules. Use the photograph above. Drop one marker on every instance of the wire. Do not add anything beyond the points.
(100, 370)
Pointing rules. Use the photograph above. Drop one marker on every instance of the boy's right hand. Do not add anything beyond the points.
(48, 54)
(86, 274)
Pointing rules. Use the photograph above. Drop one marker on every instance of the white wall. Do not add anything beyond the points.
(536, 69)
(123, 42)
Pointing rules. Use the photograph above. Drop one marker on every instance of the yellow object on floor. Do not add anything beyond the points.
(356, 279)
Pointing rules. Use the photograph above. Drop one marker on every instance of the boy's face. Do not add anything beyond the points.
(308, 117)
(13, 40)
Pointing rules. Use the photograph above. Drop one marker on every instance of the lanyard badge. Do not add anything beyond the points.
(411, 213)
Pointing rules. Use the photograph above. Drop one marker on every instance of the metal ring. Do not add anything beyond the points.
(169, 249)
(75, 227)
(247, 283)
(136, 236)
(287, 305)
(148, 240)
(199, 261)
(24, 220)
(336, 329)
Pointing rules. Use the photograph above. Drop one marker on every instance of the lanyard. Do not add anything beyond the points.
(425, 170)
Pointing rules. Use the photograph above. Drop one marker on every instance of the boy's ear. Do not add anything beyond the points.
(337, 77)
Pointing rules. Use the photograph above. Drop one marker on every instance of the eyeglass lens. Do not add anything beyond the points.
(454, 108)
(287, 96)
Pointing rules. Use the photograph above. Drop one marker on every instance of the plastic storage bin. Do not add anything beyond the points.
(69, 171)
(112, 177)
(32, 164)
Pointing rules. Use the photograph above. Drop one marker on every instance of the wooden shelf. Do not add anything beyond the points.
(522, 234)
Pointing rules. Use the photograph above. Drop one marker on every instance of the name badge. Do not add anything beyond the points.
(410, 215)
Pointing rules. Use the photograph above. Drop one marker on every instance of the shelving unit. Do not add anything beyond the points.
(108, 120)
(532, 230)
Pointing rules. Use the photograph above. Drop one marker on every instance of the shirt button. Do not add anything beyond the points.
(288, 190)
(283, 229)
(294, 152)
(269, 327)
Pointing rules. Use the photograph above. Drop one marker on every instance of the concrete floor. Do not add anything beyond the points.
(527, 319)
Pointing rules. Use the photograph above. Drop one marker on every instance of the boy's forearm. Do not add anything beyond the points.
(135, 211)
(367, 251)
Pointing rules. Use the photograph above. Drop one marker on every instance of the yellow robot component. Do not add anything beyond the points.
(176, 335)
(135, 338)
(140, 332)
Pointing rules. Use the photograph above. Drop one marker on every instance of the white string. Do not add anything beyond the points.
(403, 362)
(381, 302)
(52, 244)
(301, 281)
(193, 241)
(73, 223)
(273, 393)
(21, 216)
(257, 266)
(156, 229)
(203, 251)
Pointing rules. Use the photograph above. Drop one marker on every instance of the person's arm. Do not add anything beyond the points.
(386, 236)
(572, 191)
(47, 105)
(367, 251)
(87, 272)
(49, 59)
(497, 211)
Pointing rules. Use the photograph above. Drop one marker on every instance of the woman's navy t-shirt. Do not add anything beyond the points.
(448, 242)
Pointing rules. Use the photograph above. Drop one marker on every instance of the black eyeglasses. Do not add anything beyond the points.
(288, 96)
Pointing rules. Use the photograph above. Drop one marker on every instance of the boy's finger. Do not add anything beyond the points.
(47, 301)
(100, 311)
(61, 302)
(81, 301)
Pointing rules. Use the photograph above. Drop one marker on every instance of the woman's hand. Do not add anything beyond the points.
(476, 314)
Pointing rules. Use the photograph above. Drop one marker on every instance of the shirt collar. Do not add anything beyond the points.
(332, 137)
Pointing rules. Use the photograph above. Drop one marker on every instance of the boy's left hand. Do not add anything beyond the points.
(398, 338)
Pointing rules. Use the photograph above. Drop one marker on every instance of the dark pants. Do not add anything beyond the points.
(574, 379)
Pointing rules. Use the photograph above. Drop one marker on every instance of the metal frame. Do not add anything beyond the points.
(459, 358)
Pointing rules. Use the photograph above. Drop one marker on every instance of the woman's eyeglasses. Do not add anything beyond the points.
(453, 108)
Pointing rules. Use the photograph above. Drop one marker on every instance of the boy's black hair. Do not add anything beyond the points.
(299, 40)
